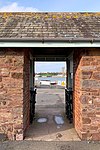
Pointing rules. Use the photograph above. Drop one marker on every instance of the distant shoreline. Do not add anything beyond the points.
(50, 76)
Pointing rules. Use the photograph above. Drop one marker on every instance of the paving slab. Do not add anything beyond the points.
(51, 105)
(38, 145)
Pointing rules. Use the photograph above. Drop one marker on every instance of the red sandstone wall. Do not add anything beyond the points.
(11, 92)
(87, 93)
(26, 100)
(76, 90)
(14, 92)
(15, 96)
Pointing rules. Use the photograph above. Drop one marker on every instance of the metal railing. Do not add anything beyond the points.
(69, 104)
(32, 103)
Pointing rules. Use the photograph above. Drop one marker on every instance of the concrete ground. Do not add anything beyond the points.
(50, 102)
(37, 145)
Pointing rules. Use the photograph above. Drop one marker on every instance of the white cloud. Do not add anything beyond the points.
(14, 7)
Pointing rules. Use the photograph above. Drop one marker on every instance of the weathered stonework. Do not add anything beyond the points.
(26, 91)
(15, 92)
(11, 92)
(87, 93)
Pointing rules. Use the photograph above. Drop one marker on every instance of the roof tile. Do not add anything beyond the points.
(49, 25)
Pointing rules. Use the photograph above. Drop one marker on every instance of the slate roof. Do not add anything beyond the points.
(53, 26)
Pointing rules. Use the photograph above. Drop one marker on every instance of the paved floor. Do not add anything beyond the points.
(34, 145)
(51, 103)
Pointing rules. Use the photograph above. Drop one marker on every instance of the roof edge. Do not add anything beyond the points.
(68, 40)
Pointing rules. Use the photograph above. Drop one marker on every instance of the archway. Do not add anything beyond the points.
(57, 55)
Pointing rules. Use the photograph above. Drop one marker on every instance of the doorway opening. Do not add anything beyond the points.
(50, 122)
(50, 99)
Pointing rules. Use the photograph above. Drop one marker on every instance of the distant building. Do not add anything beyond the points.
(63, 71)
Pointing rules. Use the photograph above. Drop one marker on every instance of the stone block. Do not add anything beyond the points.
(19, 62)
(5, 72)
(85, 63)
(96, 136)
(95, 128)
(3, 92)
(88, 68)
(98, 116)
(86, 120)
(83, 136)
(3, 103)
(91, 114)
(1, 85)
(98, 68)
(86, 74)
(9, 60)
(84, 99)
(19, 137)
(17, 75)
(18, 126)
(87, 58)
(0, 79)
(96, 75)
(90, 84)
(96, 100)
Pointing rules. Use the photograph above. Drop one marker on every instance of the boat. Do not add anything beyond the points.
(45, 82)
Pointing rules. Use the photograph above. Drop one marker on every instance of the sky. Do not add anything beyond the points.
(49, 6)
(49, 66)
